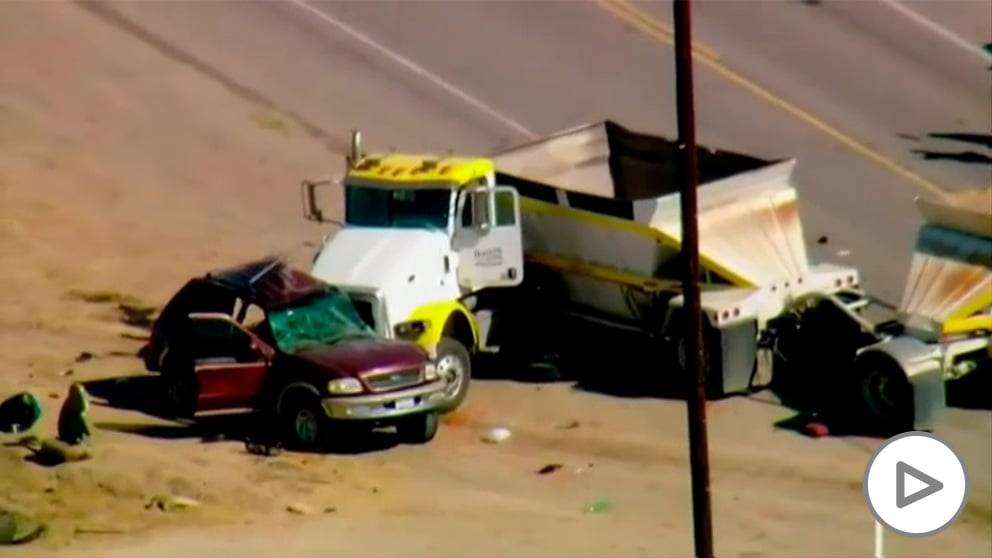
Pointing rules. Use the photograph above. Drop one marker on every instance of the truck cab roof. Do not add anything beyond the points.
(417, 171)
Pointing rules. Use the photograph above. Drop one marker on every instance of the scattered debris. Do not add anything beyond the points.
(580, 470)
(330, 509)
(49, 452)
(16, 528)
(67, 372)
(497, 435)
(98, 531)
(816, 429)
(549, 468)
(73, 427)
(822, 240)
(19, 413)
(572, 424)
(599, 506)
(84, 356)
(172, 503)
(300, 509)
(843, 253)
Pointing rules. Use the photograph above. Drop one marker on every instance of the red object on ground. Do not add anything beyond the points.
(816, 430)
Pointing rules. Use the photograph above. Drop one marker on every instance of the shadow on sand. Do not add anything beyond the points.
(812, 396)
(144, 393)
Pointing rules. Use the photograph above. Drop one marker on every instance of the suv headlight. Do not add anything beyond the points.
(430, 372)
(411, 330)
(344, 386)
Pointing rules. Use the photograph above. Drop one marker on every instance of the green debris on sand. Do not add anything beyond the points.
(19, 414)
(16, 528)
(599, 506)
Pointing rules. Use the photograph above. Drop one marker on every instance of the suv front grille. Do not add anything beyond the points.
(396, 379)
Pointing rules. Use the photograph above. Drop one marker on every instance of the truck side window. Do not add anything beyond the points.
(505, 214)
(467, 210)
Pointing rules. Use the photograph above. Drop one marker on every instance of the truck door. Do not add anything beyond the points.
(230, 363)
(489, 242)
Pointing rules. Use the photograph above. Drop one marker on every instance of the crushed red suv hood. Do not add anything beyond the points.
(356, 356)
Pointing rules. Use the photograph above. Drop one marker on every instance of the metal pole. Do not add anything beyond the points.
(696, 395)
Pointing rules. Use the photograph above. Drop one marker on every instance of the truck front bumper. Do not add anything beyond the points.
(385, 406)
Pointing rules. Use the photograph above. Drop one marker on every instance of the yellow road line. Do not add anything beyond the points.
(652, 27)
(646, 23)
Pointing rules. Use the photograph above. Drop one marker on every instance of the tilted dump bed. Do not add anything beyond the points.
(949, 286)
(750, 231)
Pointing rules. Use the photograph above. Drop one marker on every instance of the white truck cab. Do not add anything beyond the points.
(420, 233)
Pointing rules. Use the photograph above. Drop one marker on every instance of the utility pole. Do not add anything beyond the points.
(702, 516)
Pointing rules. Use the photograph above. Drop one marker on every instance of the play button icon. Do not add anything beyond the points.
(930, 484)
(916, 484)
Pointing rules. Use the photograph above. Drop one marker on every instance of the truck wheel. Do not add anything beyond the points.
(418, 429)
(305, 426)
(886, 395)
(454, 366)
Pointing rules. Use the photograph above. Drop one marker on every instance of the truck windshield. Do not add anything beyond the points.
(401, 208)
(321, 319)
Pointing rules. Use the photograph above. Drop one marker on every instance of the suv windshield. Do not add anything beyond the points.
(321, 319)
(402, 208)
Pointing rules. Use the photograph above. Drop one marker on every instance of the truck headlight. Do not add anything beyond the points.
(411, 330)
(344, 386)
(430, 372)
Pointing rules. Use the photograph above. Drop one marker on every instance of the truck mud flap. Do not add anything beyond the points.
(734, 361)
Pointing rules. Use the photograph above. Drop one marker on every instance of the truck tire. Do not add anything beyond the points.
(454, 365)
(418, 429)
(886, 396)
(304, 425)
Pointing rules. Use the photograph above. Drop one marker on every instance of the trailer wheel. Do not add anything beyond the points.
(886, 396)
(454, 366)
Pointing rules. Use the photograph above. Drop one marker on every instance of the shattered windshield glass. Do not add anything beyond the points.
(321, 319)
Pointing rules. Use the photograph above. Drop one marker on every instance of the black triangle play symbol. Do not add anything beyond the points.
(902, 499)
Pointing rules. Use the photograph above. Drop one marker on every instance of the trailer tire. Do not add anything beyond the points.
(885, 394)
(454, 365)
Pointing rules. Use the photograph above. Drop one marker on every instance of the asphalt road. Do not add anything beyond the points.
(854, 90)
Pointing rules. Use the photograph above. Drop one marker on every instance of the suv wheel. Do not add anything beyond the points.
(304, 424)
(418, 429)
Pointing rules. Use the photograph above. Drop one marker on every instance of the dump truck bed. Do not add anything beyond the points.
(609, 196)
(950, 277)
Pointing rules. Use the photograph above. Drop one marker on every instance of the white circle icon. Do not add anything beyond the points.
(916, 484)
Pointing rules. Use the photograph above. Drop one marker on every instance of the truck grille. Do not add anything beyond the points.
(396, 379)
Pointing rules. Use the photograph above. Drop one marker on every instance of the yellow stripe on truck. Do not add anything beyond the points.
(591, 218)
(436, 316)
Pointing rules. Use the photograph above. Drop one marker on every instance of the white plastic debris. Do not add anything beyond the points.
(497, 435)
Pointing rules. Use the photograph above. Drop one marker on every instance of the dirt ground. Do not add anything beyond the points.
(123, 172)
